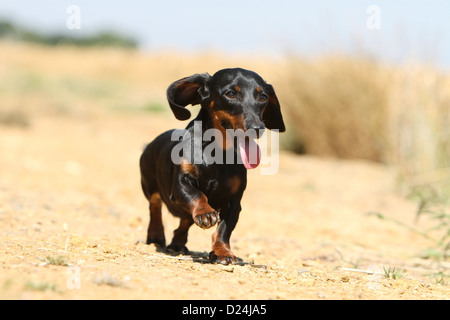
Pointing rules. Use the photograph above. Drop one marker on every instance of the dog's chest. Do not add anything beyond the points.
(219, 186)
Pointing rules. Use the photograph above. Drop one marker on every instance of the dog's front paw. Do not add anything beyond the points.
(206, 220)
(223, 257)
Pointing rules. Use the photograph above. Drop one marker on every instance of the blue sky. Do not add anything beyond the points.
(410, 29)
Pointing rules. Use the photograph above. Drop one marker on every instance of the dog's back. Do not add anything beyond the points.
(156, 157)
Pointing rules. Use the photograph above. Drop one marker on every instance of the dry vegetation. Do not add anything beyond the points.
(60, 106)
(356, 108)
(337, 106)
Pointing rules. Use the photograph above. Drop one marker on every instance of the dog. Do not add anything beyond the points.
(202, 192)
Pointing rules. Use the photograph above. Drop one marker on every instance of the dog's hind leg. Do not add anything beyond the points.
(155, 233)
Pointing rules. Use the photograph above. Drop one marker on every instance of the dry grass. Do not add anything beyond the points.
(336, 106)
(74, 81)
(356, 108)
(419, 122)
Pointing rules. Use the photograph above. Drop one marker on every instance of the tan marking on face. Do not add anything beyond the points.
(237, 88)
(259, 89)
(236, 122)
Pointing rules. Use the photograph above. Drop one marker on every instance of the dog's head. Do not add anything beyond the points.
(235, 99)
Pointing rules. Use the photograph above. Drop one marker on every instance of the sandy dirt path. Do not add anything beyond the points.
(73, 220)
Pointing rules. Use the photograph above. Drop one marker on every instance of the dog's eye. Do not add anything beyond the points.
(230, 94)
(263, 97)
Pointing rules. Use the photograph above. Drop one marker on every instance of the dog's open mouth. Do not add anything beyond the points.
(250, 152)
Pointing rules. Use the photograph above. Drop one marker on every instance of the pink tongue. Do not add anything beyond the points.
(250, 153)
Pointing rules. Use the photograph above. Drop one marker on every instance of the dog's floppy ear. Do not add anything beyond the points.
(272, 117)
(190, 90)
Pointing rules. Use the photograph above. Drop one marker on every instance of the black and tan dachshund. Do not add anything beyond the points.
(207, 193)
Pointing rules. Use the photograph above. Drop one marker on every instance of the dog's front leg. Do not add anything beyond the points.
(221, 252)
(185, 192)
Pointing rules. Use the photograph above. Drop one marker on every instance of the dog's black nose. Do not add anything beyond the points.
(257, 130)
